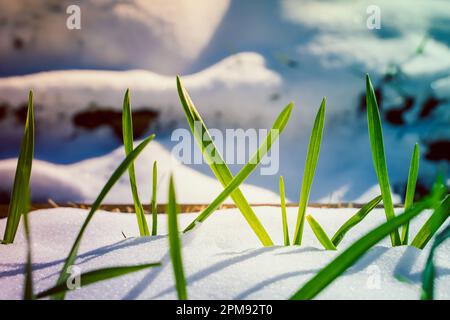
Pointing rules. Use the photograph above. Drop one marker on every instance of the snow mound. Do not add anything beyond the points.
(222, 258)
(81, 182)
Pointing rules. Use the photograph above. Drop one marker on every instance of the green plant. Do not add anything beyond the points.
(378, 155)
(272, 136)
(98, 275)
(175, 244)
(28, 286)
(216, 163)
(346, 259)
(310, 167)
(283, 213)
(127, 130)
(429, 271)
(320, 233)
(21, 189)
(153, 202)
(70, 260)
(411, 188)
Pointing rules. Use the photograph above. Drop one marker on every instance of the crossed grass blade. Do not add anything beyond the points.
(283, 213)
(320, 233)
(70, 260)
(217, 164)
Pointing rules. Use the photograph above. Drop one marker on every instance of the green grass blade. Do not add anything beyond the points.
(283, 213)
(320, 233)
(272, 136)
(175, 244)
(411, 189)
(354, 220)
(99, 275)
(109, 184)
(429, 272)
(347, 258)
(378, 155)
(153, 202)
(21, 188)
(217, 164)
(127, 130)
(310, 167)
(433, 224)
(28, 286)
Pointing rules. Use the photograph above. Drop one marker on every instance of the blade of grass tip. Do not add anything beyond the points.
(175, 244)
(354, 220)
(411, 189)
(432, 225)
(283, 213)
(272, 136)
(310, 167)
(109, 184)
(21, 185)
(347, 258)
(127, 131)
(378, 155)
(320, 233)
(429, 271)
(98, 275)
(217, 164)
(153, 202)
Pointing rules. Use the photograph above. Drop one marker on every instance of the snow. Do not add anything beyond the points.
(222, 258)
(82, 181)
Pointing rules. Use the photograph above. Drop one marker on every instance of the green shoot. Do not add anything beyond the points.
(97, 276)
(347, 258)
(433, 224)
(378, 155)
(127, 129)
(320, 233)
(154, 205)
(354, 220)
(70, 260)
(272, 136)
(310, 167)
(429, 271)
(283, 213)
(217, 164)
(21, 188)
(411, 189)
(175, 245)
(28, 286)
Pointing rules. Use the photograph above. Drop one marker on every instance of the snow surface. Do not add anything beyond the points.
(82, 181)
(222, 258)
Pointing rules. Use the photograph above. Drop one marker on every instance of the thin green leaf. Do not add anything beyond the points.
(127, 130)
(175, 244)
(310, 167)
(347, 258)
(283, 213)
(411, 189)
(98, 276)
(354, 220)
(272, 136)
(430, 272)
(28, 286)
(154, 204)
(70, 260)
(378, 155)
(320, 233)
(21, 188)
(433, 224)
(216, 163)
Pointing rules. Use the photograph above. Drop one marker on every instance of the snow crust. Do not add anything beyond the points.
(222, 258)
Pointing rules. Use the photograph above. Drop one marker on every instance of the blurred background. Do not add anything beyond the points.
(242, 62)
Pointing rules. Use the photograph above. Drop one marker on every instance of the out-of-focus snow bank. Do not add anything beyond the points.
(82, 181)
